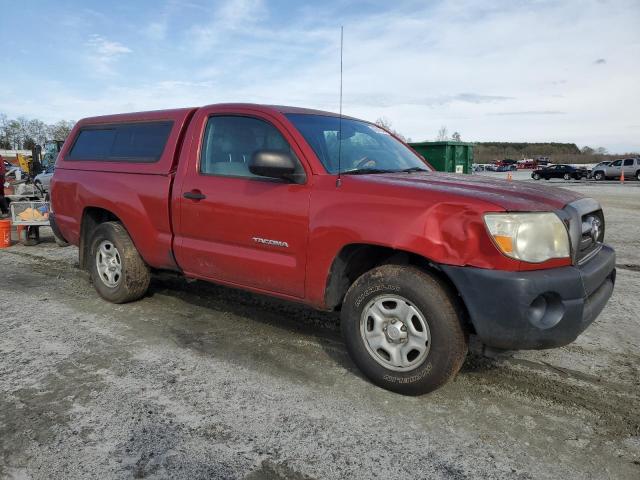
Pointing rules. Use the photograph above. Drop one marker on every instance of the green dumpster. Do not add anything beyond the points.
(454, 157)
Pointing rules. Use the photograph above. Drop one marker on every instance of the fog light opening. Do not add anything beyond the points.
(545, 311)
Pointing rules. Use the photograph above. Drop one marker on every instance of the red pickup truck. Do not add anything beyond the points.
(339, 214)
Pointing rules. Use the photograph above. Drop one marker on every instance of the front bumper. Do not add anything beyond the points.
(535, 309)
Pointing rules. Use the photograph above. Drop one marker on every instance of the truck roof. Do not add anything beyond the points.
(178, 112)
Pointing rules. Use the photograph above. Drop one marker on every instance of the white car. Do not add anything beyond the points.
(43, 179)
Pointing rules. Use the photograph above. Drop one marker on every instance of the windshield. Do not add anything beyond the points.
(364, 148)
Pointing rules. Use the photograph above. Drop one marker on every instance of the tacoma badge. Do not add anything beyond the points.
(275, 243)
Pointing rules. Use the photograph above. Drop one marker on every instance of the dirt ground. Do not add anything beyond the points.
(200, 381)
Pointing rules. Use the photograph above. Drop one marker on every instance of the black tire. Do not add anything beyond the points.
(566, 176)
(135, 276)
(638, 175)
(536, 176)
(599, 176)
(434, 300)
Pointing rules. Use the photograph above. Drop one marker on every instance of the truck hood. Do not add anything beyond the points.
(510, 195)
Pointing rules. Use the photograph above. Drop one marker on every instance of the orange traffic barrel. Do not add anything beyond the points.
(5, 233)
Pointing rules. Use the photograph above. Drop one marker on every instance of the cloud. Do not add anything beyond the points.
(476, 98)
(104, 53)
(232, 16)
(531, 112)
(600, 61)
(237, 13)
(157, 30)
(478, 67)
(383, 99)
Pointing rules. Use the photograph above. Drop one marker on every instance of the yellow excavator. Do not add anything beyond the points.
(42, 157)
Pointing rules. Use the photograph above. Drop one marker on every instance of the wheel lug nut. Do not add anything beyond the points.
(393, 321)
(403, 328)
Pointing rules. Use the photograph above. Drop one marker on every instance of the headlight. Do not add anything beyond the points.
(530, 237)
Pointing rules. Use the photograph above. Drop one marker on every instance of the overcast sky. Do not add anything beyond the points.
(565, 71)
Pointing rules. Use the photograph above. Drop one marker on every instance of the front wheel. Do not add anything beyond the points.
(536, 176)
(118, 272)
(638, 175)
(598, 176)
(403, 329)
(566, 176)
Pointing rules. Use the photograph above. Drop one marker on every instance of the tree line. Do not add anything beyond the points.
(24, 134)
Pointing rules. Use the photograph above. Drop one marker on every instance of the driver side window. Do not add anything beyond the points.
(617, 163)
(230, 142)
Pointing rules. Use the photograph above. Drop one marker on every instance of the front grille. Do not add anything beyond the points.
(579, 217)
(592, 235)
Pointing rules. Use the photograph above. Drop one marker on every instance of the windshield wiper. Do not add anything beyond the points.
(364, 171)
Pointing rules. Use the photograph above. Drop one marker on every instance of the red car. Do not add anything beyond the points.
(338, 214)
(527, 165)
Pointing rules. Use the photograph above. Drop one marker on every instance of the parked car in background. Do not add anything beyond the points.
(527, 164)
(506, 162)
(43, 179)
(599, 166)
(566, 172)
(630, 166)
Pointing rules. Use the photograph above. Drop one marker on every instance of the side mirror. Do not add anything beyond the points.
(273, 164)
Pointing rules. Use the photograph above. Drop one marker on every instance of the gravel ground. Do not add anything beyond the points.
(200, 381)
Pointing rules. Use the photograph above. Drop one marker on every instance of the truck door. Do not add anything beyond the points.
(615, 170)
(234, 226)
(628, 166)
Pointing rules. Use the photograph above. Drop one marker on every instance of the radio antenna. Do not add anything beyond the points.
(339, 180)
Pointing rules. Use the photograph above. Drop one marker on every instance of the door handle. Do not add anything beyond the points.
(194, 195)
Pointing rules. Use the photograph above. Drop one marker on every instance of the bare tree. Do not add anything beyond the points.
(12, 134)
(60, 130)
(601, 151)
(5, 143)
(586, 150)
(24, 133)
(37, 130)
(28, 143)
(385, 123)
(456, 137)
(442, 134)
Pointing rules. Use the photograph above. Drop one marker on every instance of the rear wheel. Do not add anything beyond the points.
(117, 270)
(638, 175)
(402, 328)
(566, 176)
